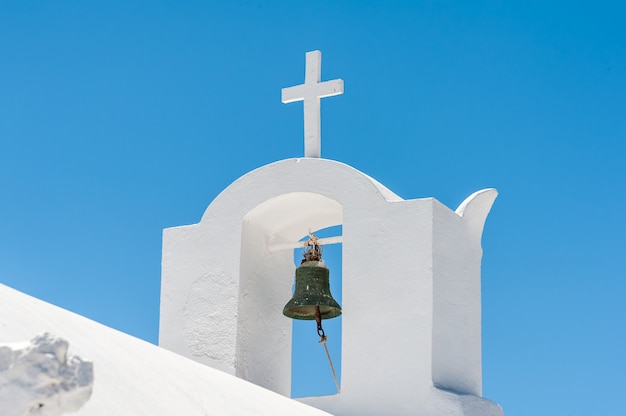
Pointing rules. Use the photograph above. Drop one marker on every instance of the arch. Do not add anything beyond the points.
(329, 178)
(288, 217)
(202, 283)
(265, 280)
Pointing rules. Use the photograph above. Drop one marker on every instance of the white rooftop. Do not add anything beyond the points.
(134, 377)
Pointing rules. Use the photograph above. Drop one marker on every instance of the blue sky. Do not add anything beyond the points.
(120, 119)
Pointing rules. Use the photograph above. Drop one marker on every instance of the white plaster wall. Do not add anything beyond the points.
(387, 304)
(457, 360)
(411, 289)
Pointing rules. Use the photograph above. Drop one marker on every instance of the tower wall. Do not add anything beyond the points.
(411, 288)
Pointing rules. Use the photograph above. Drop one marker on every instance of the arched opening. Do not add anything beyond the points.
(311, 374)
(270, 232)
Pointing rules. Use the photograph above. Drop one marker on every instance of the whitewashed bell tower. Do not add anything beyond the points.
(226, 279)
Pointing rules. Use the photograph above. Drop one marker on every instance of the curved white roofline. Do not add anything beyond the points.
(321, 176)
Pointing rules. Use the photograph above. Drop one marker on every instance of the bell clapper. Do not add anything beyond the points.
(318, 320)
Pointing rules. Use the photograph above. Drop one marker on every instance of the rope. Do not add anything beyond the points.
(323, 338)
(323, 341)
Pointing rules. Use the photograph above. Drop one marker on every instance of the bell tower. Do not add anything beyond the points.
(226, 280)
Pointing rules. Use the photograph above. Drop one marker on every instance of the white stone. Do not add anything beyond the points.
(41, 378)
(411, 341)
(310, 92)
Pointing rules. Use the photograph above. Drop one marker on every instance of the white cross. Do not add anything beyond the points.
(310, 92)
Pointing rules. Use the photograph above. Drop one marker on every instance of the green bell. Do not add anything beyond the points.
(312, 290)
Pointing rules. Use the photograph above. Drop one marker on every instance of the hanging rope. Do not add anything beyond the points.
(323, 338)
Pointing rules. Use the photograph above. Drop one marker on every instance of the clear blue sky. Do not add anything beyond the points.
(120, 119)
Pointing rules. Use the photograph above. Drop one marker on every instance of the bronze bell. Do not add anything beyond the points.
(312, 288)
